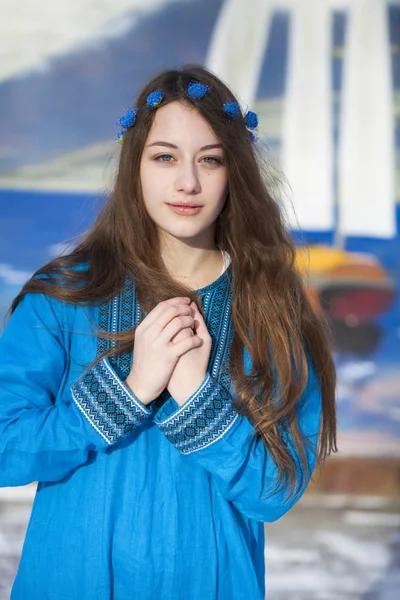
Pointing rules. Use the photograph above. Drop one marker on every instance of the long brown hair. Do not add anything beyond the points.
(272, 316)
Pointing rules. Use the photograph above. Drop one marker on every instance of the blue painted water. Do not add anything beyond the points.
(76, 102)
(35, 226)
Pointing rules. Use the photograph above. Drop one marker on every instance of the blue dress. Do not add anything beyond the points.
(157, 502)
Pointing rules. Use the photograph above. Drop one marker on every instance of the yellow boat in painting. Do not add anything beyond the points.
(351, 290)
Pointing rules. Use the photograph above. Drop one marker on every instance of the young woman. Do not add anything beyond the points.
(166, 383)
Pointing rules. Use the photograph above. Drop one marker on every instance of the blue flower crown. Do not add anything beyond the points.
(194, 91)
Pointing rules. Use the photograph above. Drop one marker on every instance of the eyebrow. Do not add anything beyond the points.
(169, 145)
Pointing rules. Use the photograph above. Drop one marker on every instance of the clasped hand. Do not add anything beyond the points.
(171, 350)
(191, 367)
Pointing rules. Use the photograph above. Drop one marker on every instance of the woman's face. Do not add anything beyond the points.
(183, 163)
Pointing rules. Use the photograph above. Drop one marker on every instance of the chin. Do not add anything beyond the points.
(186, 234)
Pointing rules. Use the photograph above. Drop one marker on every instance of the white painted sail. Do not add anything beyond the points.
(34, 33)
(367, 146)
(238, 46)
(307, 146)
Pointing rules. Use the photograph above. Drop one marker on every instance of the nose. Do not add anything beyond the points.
(187, 179)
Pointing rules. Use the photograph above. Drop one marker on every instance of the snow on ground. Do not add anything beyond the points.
(323, 549)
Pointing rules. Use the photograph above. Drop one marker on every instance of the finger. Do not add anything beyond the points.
(175, 327)
(199, 323)
(157, 313)
(187, 344)
(181, 335)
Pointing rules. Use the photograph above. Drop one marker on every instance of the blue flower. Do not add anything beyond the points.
(155, 98)
(120, 137)
(232, 109)
(251, 119)
(197, 90)
(252, 136)
(128, 119)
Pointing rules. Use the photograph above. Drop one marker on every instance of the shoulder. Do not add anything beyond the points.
(49, 293)
(42, 309)
(62, 275)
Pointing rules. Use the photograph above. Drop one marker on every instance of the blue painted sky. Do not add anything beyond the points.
(75, 103)
(78, 99)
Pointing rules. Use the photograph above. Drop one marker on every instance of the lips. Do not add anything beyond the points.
(185, 209)
(184, 204)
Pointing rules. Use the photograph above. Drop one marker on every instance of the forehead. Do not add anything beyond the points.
(181, 122)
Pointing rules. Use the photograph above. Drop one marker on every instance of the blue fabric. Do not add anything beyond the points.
(159, 502)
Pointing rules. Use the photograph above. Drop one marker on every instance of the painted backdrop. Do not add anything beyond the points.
(324, 77)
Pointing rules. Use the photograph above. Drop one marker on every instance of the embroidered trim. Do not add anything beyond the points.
(124, 312)
(218, 316)
(187, 402)
(119, 314)
(107, 403)
(202, 420)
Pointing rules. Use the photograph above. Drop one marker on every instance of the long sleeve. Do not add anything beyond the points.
(44, 435)
(209, 429)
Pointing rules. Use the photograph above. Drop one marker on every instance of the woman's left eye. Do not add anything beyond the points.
(212, 160)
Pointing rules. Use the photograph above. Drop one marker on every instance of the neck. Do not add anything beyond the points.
(192, 266)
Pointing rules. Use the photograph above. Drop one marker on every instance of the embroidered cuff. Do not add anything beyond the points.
(203, 419)
(107, 403)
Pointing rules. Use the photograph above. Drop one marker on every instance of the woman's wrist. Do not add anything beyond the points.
(184, 392)
(139, 394)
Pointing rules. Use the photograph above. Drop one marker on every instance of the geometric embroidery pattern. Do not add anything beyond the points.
(107, 403)
(217, 306)
(124, 312)
(117, 315)
(202, 420)
(210, 413)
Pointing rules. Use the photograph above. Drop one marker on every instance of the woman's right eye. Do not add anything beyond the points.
(164, 157)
